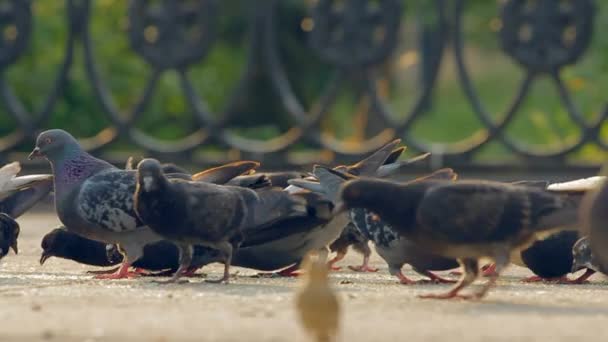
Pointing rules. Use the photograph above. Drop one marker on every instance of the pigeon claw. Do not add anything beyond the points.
(118, 275)
(122, 273)
(405, 280)
(440, 280)
(363, 268)
(448, 295)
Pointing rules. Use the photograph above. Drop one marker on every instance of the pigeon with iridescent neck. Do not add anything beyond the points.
(93, 198)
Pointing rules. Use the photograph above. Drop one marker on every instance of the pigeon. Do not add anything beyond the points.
(316, 303)
(159, 256)
(551, 259)
(197, 213)
(93, 198)
(589, 251)
(9, 232)
(381, 163)
(396, 250)
(351, 236)
(62, 243)
(550, 256)
(467, 220)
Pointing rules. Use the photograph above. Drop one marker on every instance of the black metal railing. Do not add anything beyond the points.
(354, 37)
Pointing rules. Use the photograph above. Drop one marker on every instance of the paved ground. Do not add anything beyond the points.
(60, 302)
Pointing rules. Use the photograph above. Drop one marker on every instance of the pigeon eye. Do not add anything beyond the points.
(47, 140)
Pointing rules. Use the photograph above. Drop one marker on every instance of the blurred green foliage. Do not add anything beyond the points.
(260, 113)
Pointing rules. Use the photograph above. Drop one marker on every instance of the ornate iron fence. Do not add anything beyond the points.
(354, 37)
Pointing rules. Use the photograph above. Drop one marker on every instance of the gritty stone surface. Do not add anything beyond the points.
(61, 302)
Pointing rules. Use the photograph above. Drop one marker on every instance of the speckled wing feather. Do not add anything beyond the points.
(471, 212)
(106, 201)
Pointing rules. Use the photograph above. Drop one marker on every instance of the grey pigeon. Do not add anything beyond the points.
(93, 198)
(196, 213)
(466, 220)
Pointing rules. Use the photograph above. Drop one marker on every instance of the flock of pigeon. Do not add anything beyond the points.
(158, 219)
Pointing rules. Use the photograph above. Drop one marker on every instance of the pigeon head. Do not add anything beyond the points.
(9, 232)
(55, 144)
(583, 256)
(55, 243)
(149, 175)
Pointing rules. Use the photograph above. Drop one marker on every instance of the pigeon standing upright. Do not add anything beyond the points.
(93, 198)
(466, 220)
(195, 213)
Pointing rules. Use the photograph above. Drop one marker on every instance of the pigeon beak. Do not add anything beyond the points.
(44, 257)
(35, 154)
(14, 247)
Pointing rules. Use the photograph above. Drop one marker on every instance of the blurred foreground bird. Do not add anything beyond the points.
(316, 303)
(467, 220)
(196, 213)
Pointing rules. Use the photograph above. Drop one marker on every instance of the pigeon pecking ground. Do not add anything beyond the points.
(59, 302)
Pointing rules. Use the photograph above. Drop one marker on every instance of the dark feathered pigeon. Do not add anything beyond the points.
(9, 232)
(551, 259)
(196, 213)
(62, 243)
(396, 250)
(466, 220)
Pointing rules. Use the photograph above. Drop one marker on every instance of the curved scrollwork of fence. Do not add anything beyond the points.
(354, 37)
